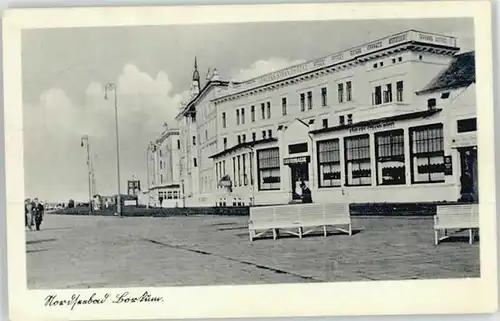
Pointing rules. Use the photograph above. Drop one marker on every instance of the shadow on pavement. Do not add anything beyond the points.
(35, 251)
(40, 241)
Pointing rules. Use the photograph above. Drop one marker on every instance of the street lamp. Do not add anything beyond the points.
(107, 88)
(252, 155)
(84, 141)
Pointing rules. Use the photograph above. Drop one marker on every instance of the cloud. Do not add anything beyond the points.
(261, 67)
(55, 163)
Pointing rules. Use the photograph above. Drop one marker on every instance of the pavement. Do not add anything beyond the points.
(97, 251)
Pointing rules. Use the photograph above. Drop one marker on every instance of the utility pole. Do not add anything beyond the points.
(84, 142)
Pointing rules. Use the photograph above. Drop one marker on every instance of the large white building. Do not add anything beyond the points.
(163, 164)
(392, 120)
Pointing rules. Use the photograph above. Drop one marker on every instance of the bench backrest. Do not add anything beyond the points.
(337, 210)
(466, 212)
(262, 214)
(286, 213)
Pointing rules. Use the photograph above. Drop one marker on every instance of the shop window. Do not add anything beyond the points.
(268, 164)
(329, 163)
(390, 155)
(427, 154)
(358, 165)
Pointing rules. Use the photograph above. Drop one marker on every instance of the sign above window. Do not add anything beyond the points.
(361, 129)
(297, 160)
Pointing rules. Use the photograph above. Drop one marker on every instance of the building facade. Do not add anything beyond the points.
(163, 170)
(393, 120)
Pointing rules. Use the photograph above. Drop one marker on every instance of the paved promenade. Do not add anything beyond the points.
(83, 251)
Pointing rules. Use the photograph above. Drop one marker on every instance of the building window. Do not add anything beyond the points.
(178, 144)
(341, 120)
(252, 113)
(263, 110)
(393, 60)
(243, 116)
(253, 137)
(309, 100)
(234, 170)
(239, 170)
(263, 134)
(302, 102)
(176, 195)
(283, 106)
(400, 59)
(349, 119)
(390, 155)
(268, 109)
(206, 134)
(161, 178)
(245, 177)
(374, 65)
(466, 125)
(269, 133)
(297, 148)
(195, 163)
(161, 164)
(427, 154)
(224, 120)
(325, 123)
(329, 163)
(224, 142)
(170, 195)
(399, 91)
(194, 140)
(388, 93)
(348, 91)
(340, 90)
(381, 64)
(223, 168)
(324, 97)
(237, 116)
(251, 167)
(239, 139)
(377, 96)
(269, 169)
(358, 166)
(244, 138)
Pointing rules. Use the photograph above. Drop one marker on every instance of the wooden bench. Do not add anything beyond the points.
(455, 217)
(298, 220)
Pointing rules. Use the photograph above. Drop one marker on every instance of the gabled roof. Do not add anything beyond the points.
(461, 72)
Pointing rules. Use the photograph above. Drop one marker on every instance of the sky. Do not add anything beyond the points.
(65, 70)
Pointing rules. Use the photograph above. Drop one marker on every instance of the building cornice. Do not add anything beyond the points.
(408, 40)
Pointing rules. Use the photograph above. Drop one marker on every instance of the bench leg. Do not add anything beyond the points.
(274, 234)
(300, 232)
(324, 230)
(250, 234)
(470, 236)
(436, 237)
(350, 229)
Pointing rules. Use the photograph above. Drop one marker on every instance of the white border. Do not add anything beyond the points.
(350, 298)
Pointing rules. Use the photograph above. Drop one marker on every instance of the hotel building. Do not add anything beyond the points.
(393, 120)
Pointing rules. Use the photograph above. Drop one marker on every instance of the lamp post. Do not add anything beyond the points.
(252, 155)
(84, 142)
(107, 88)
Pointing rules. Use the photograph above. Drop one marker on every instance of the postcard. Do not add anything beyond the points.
(250, 161)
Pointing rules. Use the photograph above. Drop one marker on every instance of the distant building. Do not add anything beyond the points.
(393, 120)
(163, 157)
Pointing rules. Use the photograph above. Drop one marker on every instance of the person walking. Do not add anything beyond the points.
(306, 193)
(38, 212)
(28, 213)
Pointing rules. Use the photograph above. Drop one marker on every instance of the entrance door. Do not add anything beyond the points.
(300, 174)
(469, 174)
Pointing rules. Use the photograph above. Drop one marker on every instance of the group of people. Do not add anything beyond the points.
(33, 213)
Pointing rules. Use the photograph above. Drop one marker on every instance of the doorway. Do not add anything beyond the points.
(299, 175)
(469, 175)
